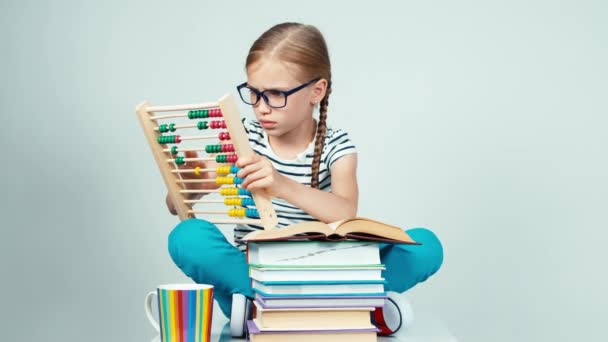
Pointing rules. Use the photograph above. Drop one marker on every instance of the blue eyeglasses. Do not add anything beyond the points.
(274, 98)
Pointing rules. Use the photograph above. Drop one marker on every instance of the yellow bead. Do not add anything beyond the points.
(236, 212)
(197, 170)
(223, 170)
(229, 191)
(233, 201)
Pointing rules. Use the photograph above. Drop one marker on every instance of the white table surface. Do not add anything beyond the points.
(426, 328)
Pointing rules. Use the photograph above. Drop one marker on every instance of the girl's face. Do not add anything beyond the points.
(268, 73)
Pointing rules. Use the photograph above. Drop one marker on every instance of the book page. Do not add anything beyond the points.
(372, 227)
(285, 232)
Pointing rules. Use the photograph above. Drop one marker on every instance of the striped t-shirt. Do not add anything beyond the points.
(337, 144)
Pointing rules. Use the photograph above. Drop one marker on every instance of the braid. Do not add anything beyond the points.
(321, 129)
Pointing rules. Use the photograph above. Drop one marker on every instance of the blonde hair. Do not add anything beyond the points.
(305, 47)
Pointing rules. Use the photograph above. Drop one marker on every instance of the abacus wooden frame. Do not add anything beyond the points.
(238, 136)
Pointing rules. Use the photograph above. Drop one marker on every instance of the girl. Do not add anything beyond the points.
(308, 167)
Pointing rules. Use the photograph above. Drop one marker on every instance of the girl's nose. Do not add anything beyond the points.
(263, 107)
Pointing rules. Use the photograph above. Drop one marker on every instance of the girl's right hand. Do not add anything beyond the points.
(192, 186)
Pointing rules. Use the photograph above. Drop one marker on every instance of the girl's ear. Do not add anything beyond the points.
(318, 91)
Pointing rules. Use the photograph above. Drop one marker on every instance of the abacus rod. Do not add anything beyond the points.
(198, 138)
(236, 221)
(199, 191)
(205, 201)
(185, 149)
(195, 159)
(174, 108)
(187, 126)
(192, 170)
(204, 180)
(216, 212)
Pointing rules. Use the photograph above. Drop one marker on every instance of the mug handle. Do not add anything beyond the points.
(148, 308)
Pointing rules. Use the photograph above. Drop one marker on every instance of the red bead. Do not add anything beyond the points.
(177, 139)
(228, 148)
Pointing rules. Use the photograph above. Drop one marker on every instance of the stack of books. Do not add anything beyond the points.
(317, 290)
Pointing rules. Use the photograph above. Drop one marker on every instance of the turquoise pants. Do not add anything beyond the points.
(202, 252)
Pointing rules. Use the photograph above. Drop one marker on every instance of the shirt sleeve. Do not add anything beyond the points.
(338, 146)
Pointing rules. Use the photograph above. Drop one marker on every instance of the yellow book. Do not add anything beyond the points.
(312, 318)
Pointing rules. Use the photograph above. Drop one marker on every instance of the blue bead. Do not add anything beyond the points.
(244, 192)
(252, 213)
(238, 180)
(234, 169)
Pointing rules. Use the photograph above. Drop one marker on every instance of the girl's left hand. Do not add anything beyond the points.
(258, 172)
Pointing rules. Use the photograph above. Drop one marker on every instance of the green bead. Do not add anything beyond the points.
(205, 113)
(212, 148)
(220, 158)
(162, 128)
(174, 150)
(172, 127)
(191, 114)
(179, 160)
(202, 125)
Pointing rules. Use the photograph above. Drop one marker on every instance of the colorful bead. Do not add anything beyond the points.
(224, 136)
(229, 191)
(197, 170)
(252, 213)
(242, 212)
(237, 180)
(162, 128)
(179, 160)
(172, 127)
(244, 192)
(244, 201)
(217, 124)
(202, 125)
(168, 139)
(236, 212)
(226, 158)
(227, 148)
(215, 113)
(224, 180)
(223, 170)
(174, 150)
(198, 114)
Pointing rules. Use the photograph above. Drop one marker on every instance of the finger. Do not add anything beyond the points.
(263, 183)
(255, 176)
(244, 161)
(248, 169)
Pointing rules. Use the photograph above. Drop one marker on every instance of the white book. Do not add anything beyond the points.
(316, 273)
(319, 288)
(314, 253)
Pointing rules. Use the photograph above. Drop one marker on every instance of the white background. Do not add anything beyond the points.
(484, 121)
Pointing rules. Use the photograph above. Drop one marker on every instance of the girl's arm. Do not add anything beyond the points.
(341, 203)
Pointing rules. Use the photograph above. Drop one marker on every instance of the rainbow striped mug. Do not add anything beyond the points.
(184, 311)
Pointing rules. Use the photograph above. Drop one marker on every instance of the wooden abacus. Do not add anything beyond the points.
(168, 160)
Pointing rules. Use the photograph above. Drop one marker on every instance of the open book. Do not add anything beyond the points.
(357, 228)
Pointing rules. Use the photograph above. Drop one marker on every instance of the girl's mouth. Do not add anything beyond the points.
(268, 124)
